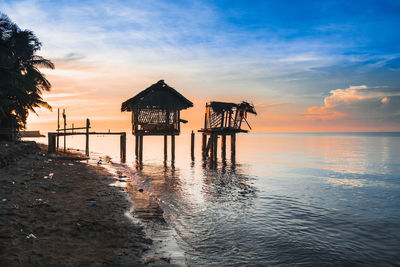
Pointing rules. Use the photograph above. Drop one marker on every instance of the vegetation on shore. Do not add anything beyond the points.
(21, 81)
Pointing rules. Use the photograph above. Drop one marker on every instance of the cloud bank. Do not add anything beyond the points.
(360, 103)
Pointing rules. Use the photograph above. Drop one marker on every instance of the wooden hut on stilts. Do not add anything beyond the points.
(222, 119)
(156, 111)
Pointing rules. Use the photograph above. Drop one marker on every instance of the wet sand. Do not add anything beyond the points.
(58, 211)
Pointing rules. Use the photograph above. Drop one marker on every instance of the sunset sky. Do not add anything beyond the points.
(308, 66)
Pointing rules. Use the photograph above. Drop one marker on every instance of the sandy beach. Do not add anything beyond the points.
(60, 212)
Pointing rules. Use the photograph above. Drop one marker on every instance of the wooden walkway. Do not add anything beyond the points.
(53, 137)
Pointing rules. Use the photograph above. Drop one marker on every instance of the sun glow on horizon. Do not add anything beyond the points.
(293, 70)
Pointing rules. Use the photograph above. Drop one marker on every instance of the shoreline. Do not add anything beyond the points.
(59, 211)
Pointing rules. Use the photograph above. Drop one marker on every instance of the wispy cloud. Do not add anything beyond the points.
(209, 50)
(193, 39)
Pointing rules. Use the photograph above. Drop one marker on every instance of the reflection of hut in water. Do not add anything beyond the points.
(222, 118)
(156, 111)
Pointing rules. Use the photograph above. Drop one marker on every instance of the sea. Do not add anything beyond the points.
(309, 199)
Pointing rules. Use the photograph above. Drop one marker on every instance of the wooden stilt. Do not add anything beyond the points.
(212, 147)
(140, 148)
(173, 147)
(204, 145)
(87, 137)
(136, 145)
(223, 147)
(123, 147)
(209, 147)
(233, 146)
(165, 147)
(192, 145)
(215, 147)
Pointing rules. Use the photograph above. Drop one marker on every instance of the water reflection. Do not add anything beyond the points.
(226, 184)
(346, 182)
(288, 199)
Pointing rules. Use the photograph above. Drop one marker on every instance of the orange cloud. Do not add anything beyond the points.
(323, 113)
(338, 99)
(385, 100)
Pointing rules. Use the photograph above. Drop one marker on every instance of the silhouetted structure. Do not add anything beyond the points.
(156, 111)
(222, 118)
(53, 143)
(8, 133)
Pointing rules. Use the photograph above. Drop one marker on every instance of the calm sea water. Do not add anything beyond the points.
(290, 199)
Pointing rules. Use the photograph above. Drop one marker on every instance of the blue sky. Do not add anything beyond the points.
(285, 56)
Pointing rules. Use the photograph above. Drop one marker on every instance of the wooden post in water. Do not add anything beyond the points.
(87, 137)
(140, 148)
(233, 146)
(65, 131)
(173, 147)
(51, 148)
(123, 147)
(136, 146)
(211, 142)
(223, 147)
(192, 146)
(58, 129)
(204, 145)
(215, 147)
(165, 147)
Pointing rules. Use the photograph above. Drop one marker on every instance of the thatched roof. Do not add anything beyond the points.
(226, 106)
(159, 95)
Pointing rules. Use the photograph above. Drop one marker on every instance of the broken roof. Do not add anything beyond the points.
(226, 106)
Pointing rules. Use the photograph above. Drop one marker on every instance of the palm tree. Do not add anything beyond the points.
(21, 82)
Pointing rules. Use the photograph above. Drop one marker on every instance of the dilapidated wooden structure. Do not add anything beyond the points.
(222, 119)
(156, 111)
(53, 137)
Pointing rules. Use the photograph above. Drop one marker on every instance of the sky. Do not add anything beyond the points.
(307, 66)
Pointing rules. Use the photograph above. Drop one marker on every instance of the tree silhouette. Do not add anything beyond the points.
(21, 82)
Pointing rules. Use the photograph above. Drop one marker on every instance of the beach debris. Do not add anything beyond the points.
(4, 200)
(40, 202)
(92, 203)
(140, 190)
(31, 236)
(50, 176)
(99, 162)
(70, 164)
(166, 259)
